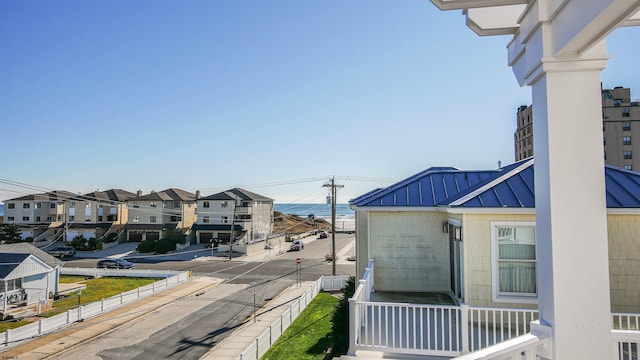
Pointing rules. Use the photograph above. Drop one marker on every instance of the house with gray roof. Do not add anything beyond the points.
(150, 216)
(27, 275)
(470, 234)
(236, 215)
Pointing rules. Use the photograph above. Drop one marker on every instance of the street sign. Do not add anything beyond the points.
(298, 261)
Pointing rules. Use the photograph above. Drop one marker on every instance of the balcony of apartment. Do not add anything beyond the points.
(243, 210)
(397, 325)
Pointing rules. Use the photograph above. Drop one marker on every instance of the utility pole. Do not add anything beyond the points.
(333, 189)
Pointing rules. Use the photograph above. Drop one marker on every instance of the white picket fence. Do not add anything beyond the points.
(46, 325)
(267, 338)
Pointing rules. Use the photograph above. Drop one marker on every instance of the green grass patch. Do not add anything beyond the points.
(12, 324)
(309, 335)
(97, 289)
(70, 279)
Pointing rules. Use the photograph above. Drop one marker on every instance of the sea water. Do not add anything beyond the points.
(318, 210)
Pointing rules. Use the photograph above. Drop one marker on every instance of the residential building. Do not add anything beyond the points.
(249, 215)
(47, 215)
(39, 215)
(468, 238)
(620, 117)
(151, 215)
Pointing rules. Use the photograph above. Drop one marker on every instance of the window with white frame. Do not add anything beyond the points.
(224, 219)
(224, 204)
(11, 206)
(153, 219)
(153, 204)
(205, 204)
(205, 219)
(136, 219)
(514, 262)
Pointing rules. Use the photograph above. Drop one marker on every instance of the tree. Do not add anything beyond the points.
(10, 234)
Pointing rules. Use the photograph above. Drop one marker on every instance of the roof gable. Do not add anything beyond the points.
(26, 248)
(14, 266)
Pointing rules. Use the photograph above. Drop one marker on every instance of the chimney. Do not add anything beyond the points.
(139, 193)
(197, 194)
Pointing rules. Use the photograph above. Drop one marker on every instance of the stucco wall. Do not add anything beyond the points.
(362, 250)
(476, 235)
(410, 250)
(624, 262)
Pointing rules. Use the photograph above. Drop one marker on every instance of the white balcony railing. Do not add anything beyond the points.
(479, 333)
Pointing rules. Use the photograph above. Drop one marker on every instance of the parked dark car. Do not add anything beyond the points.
(115, 264)
(62, 252)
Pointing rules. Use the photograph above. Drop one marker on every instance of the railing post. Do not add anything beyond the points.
(101, 305)
(6, 336)
(68, 316)
(121, 298)
(354, 325)
(40, 327)
(80, 313)
(464, 327)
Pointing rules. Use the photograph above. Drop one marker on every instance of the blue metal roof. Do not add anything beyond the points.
(511, 186)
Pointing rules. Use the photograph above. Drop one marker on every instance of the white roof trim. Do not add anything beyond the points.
(493, 183)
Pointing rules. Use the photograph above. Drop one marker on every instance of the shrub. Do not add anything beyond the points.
(340, 328)
(146, 246)
(92, 244)
(164, 245)
(79, 243)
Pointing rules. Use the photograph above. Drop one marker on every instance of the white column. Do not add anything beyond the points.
(571, 224)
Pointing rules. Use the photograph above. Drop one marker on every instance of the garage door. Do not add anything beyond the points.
(135, 236)
(153, 235)
(205, 238)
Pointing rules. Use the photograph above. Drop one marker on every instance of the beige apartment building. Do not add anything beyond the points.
(620, 118)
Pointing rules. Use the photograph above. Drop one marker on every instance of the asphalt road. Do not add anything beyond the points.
(188, 328)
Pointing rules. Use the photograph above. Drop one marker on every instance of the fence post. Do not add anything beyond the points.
(138, 293)
(153, 287)
(121, 298)
(40, 327)
(101, 305)
(68, 316)
(6, 336)
(257, 348)
(464, 325)
(79, 313)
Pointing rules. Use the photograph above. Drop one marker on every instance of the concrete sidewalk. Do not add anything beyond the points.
(78, 333)
(245, 336)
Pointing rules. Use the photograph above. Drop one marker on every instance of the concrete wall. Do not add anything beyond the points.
(411, 252)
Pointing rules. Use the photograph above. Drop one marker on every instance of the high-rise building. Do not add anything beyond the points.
(620, 118)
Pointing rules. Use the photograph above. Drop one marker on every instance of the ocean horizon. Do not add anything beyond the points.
(319, 210)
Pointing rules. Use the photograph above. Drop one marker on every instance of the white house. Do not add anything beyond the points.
(27, 275)
(468, 236)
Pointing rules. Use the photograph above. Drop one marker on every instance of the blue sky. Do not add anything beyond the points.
(272, 95)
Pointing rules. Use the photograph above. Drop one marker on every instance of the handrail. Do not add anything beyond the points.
(527, 343)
